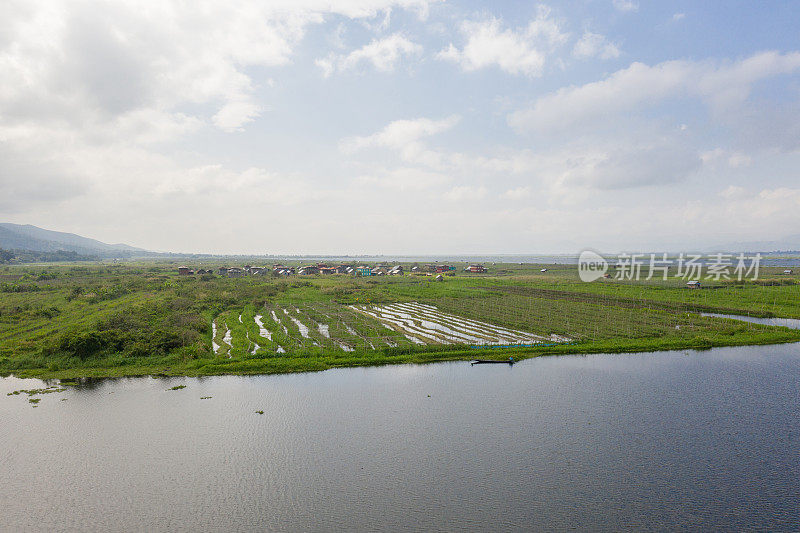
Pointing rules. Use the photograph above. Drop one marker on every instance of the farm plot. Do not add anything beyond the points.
(305, 330)
(332, 328)
(426, 324)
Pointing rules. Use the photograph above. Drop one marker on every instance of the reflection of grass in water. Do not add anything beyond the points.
(177, 387)
(205, 397)
(34, 392)
(260, 412)
(34, 400)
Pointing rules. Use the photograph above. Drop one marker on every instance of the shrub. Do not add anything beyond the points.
(87, 344)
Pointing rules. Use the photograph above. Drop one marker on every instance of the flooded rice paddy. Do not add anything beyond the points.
(364, 327)
(425, 324)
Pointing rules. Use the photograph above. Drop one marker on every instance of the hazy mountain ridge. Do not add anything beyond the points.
(786, 244)
(36, 239)
(28, 237)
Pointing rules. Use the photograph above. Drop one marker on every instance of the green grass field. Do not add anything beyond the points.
(115, 319)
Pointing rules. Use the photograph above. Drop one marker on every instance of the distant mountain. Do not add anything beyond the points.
(27, 237)
(790, 243)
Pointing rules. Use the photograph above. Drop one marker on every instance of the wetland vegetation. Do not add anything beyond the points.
(114, 319)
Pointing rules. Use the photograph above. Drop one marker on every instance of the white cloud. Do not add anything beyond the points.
(737, 160)
(112, 58)
(405, 179)
(259, 185)
(722, 86)
(775, 208)
(465, 193)
(595, 45)
(403, 135)
(116, 111)
(517, 52)
(327, 64)
(518, 193)
(733, 192)
(587, 165)
(236, 114)
(634, 166)
(678, 16)
(625, 5)
(93, 90)
(98, 60)
(383, 54)
(731, 159)
(379, 26)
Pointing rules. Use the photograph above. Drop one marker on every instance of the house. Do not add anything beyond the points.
(185, 271)
(543, 270)
(344, 269)
(787, 271)
(283, 270)
(327, 270)
(396, 271)
(222, 271)
(308, 270)
(378, 271)
(439, 277)
(475, 269)
(363, 271)
(694, 284)
(415, 269)
(235, 272)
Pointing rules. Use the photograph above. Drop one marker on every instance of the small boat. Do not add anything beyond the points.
(509, 361)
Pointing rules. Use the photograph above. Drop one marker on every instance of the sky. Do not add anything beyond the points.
(402, 126)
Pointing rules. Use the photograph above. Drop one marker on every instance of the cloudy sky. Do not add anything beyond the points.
(401, 126)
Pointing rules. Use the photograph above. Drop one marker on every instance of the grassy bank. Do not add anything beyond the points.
(67, 321)
(170, 366)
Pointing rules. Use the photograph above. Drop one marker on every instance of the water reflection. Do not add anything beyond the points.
(692, 440)
(783, 322)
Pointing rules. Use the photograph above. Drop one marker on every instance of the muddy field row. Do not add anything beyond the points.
(426, 324)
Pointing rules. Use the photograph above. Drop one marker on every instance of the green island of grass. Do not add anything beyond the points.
(76, 320)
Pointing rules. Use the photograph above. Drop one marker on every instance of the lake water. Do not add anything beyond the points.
(671, 440)
(792, 323)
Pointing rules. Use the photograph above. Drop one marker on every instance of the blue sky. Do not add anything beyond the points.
(407, 126)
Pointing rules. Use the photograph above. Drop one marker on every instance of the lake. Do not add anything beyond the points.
(670, 440)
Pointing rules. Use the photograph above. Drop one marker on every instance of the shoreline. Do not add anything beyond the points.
(299, 364)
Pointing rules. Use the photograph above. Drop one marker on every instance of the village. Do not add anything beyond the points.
(381, 269)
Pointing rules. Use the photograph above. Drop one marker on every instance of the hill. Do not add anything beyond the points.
(790, 243)
(28, 237)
